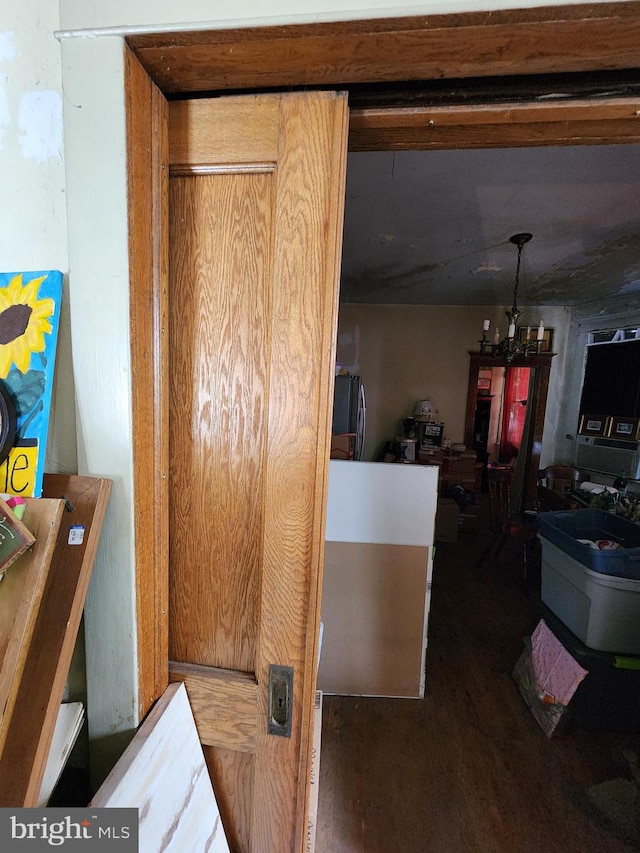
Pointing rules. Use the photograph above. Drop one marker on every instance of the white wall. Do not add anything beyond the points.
(407, 353)
(167, 14)
(33, 229)
(99, 298)
(33, 236)
(33, 225)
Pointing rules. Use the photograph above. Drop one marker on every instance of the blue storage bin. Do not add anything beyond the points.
(566, 527)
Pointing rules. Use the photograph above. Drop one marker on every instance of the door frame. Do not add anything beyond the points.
(468, 46)
(534, 41)
(541, 365)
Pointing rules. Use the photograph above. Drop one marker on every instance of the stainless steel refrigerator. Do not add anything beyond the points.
(350, 410)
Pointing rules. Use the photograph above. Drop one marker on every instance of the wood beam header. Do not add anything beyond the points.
(543, 40)
(580, 122)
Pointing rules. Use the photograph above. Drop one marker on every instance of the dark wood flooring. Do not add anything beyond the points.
(467, 768)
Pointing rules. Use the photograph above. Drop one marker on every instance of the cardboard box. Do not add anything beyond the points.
(447, 519)
(430, 457)
(342, 446)
(448, 481)
(463, 464)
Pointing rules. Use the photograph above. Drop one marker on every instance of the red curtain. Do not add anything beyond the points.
(514, 410)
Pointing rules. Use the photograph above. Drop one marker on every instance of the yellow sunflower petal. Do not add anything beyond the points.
(14, 289)
(18, 351)
(29, 294)
(6, 357)
(43, 308)
(21, 354)
(6, 297)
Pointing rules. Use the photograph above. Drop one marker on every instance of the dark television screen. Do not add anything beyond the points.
(612, 380)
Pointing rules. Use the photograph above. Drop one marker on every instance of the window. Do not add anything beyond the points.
(611, 384)
(614, 336)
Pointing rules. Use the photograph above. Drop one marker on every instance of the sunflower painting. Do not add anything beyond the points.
(29, 320)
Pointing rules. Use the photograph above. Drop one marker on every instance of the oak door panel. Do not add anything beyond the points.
(256, 206)
(219, 351)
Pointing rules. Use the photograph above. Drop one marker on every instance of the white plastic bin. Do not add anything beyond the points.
(601, 610)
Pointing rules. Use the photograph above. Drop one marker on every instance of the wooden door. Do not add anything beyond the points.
(256, 207)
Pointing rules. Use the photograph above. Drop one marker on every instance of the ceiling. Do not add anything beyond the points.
(433, 227)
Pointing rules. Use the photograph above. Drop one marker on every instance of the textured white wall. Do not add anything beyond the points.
(33, 224)
(33, 228)
(91, 14)
(99, 289)
(407, 353)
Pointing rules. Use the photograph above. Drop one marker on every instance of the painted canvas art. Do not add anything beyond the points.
(29, 322)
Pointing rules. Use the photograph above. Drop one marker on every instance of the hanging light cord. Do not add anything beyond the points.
(519, 240)
(515, 289)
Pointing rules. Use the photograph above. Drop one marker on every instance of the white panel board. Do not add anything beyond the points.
(427, 608)
(373, 608)
(163, 774)
(68, 725)
(380, 502)
(314, 783)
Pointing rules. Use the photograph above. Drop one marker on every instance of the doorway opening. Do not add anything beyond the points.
(351, 724)
(514, 409)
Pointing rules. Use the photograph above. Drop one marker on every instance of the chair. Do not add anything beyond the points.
(504, 527)
(555, 482)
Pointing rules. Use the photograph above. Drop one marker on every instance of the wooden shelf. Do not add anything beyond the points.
(40, 611)
(21, 593)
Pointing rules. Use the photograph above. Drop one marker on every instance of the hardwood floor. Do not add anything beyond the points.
(467, 768)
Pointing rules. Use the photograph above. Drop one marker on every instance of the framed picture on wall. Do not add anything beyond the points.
(628, 428)
(529, 334)
(597, 425)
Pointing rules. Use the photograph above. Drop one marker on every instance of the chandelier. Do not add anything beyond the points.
(511, 346)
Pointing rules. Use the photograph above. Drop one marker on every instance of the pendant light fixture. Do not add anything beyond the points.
(510, 347)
